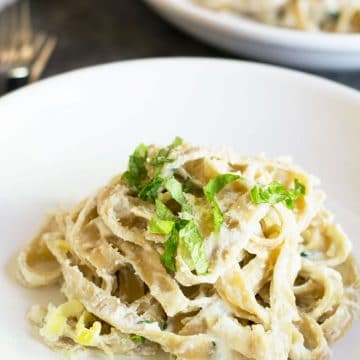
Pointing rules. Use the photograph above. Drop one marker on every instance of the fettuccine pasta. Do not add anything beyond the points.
(341, 16)
(198, 253)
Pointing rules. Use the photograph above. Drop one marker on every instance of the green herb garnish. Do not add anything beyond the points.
(164, 221)
(137, 171)
(177, 228)
(150, 190)
(180, 230)
(163, 156)
(174, 187)
(162, 227)
(170, 250)
(213, 187)
(190, 237)
(137, 338)
(163, 212)
(276, 193)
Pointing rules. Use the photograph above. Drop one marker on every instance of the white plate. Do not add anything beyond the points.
(64, 137)
(247, 37)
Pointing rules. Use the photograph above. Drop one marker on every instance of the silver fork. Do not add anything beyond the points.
(20, 47)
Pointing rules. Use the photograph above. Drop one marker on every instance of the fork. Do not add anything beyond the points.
(20, 48)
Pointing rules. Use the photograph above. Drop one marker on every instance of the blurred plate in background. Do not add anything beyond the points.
(242, 36)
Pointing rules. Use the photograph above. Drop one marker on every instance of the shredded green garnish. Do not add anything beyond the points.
(150, 190)
(184, 231)
(213, 187)
(137, 171)
(163, 212)
(180, 230)
(187, 234)
(190, 237)
(163, 156)
(276, 193)
(174, 187)
(137, 338)
(177, 228)
(162, 227)
(164, 221)
(170, 250)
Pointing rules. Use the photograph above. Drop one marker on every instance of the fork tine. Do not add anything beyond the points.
(25, 32)
(12, 39)
(42, 58)
(25, 22)
(20, 48)
(3, 34)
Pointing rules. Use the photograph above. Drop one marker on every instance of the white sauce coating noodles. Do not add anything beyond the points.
(341, 16)
(281, 282)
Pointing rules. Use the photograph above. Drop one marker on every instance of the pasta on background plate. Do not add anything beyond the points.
(198, 253)
(340, 16)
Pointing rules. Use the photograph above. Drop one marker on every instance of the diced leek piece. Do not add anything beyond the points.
(55, 323)
(56, 318)
(83, 335)
(72, 308)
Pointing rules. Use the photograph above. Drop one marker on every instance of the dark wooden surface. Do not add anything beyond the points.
(92, 32)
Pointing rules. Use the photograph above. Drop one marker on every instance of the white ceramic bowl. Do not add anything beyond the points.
(244, 36)
(62, 138)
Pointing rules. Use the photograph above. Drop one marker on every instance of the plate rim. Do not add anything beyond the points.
(304, 76)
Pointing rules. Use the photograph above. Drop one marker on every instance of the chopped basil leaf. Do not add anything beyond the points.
(216, 184)
(170, 250)
(175, 189)
(213, 187)
(136, 172)
(272, 194)
(163, 326)
(165, 220)
(276, 193)
(163, 212)
(137, 338)
(162, 156)
(150, 190)
(162, 227)
(299, 188)
(190, 237)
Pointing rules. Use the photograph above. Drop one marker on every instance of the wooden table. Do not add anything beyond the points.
(92, 32)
